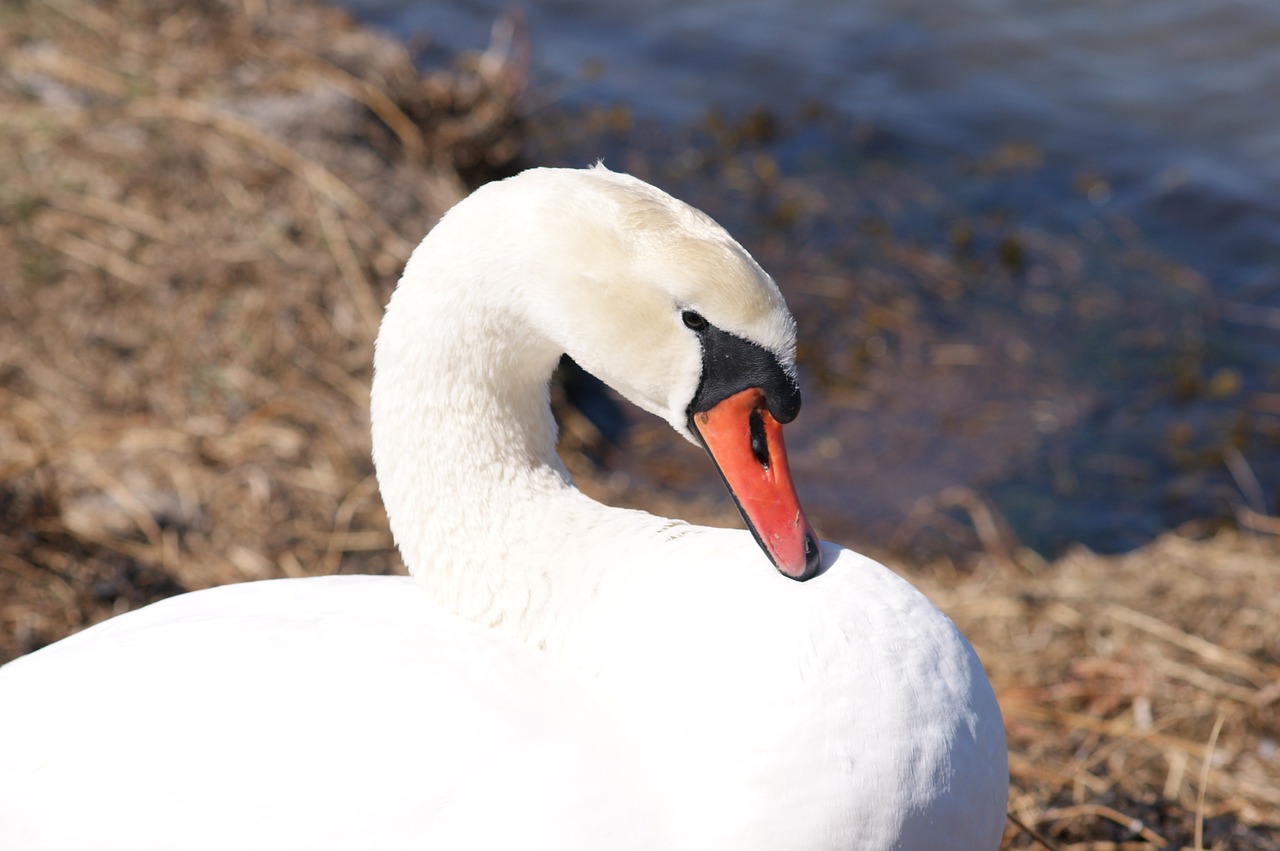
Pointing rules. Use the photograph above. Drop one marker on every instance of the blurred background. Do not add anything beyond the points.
(1033, 250)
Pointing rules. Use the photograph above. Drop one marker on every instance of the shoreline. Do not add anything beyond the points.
(202, 216)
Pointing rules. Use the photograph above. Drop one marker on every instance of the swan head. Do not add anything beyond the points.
(658, 301)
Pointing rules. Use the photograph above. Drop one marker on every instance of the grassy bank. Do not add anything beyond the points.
(203, 208)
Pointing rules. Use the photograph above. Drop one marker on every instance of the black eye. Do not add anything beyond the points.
(694, 320)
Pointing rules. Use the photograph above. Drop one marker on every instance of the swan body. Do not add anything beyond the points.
(557, 673)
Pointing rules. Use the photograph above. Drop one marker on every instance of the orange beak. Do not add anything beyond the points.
(745, 442)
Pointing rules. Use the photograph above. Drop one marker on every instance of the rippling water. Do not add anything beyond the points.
(1097, 180)
(1144, 85)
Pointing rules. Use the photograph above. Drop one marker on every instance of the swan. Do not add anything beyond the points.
(554, 673)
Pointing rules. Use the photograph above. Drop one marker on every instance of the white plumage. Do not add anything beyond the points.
(561, 674)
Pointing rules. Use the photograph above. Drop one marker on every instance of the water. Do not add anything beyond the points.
(1063, 218)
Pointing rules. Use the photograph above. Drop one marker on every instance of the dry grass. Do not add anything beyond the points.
(1141, 693)
(203, 207)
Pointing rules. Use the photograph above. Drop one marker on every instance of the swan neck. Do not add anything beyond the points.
(464, 449)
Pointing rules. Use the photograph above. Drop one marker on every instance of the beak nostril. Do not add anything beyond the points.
(759, 442)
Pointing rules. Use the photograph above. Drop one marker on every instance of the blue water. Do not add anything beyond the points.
(1156, 116)
(1144, 85)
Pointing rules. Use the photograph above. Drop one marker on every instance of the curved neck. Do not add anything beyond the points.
(464, 448)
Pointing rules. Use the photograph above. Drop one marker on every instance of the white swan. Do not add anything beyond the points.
(575, 676)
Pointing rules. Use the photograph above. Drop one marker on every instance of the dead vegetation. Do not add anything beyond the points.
(1141, 693)
(203, 208)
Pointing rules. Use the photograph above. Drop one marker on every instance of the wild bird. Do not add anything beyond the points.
(557, 673)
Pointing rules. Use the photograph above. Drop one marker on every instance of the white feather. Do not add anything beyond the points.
(574, 676)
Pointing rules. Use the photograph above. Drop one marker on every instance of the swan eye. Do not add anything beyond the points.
(694, 320)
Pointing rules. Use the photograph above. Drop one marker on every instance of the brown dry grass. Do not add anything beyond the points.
(1141, 693)
(203, 207)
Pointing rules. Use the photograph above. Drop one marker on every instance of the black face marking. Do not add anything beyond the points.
(731, 364)
(759, 444)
